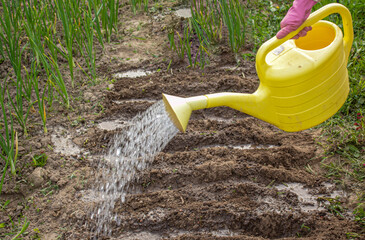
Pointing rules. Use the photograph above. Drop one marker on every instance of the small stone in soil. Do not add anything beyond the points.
(37, 177)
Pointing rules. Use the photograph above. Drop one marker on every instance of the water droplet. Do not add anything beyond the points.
(130, 151)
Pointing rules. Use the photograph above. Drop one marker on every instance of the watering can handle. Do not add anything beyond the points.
(313, 18)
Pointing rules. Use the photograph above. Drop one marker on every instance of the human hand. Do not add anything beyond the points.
(295, 17)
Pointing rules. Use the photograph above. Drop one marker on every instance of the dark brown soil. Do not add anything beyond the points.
(219, 180)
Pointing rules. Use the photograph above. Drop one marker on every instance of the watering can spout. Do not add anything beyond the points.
(180, 109)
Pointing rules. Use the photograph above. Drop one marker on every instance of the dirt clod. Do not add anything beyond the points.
(38, 176)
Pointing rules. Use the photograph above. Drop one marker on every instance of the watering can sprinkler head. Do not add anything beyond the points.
(178, 109)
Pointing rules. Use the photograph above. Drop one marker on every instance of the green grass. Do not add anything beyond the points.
(39, 160)
(182, 44)
(234, 15)
(17, 229)
(206, 24)
(209, 18)
(345, 132)
(32, 45)
(136, 5)
(8, 140)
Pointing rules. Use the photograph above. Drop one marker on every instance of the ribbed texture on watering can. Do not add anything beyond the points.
(313, 84)
(308, 84)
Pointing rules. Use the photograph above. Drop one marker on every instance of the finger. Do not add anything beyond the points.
(285, 31)
(307, 29)
(300, 34)
(303, 32)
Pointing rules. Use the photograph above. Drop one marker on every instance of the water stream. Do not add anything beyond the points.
(130, 152)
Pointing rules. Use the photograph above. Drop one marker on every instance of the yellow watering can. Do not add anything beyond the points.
(303, 82)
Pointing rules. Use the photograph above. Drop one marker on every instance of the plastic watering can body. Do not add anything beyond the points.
(307, 78)
(303, 82)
